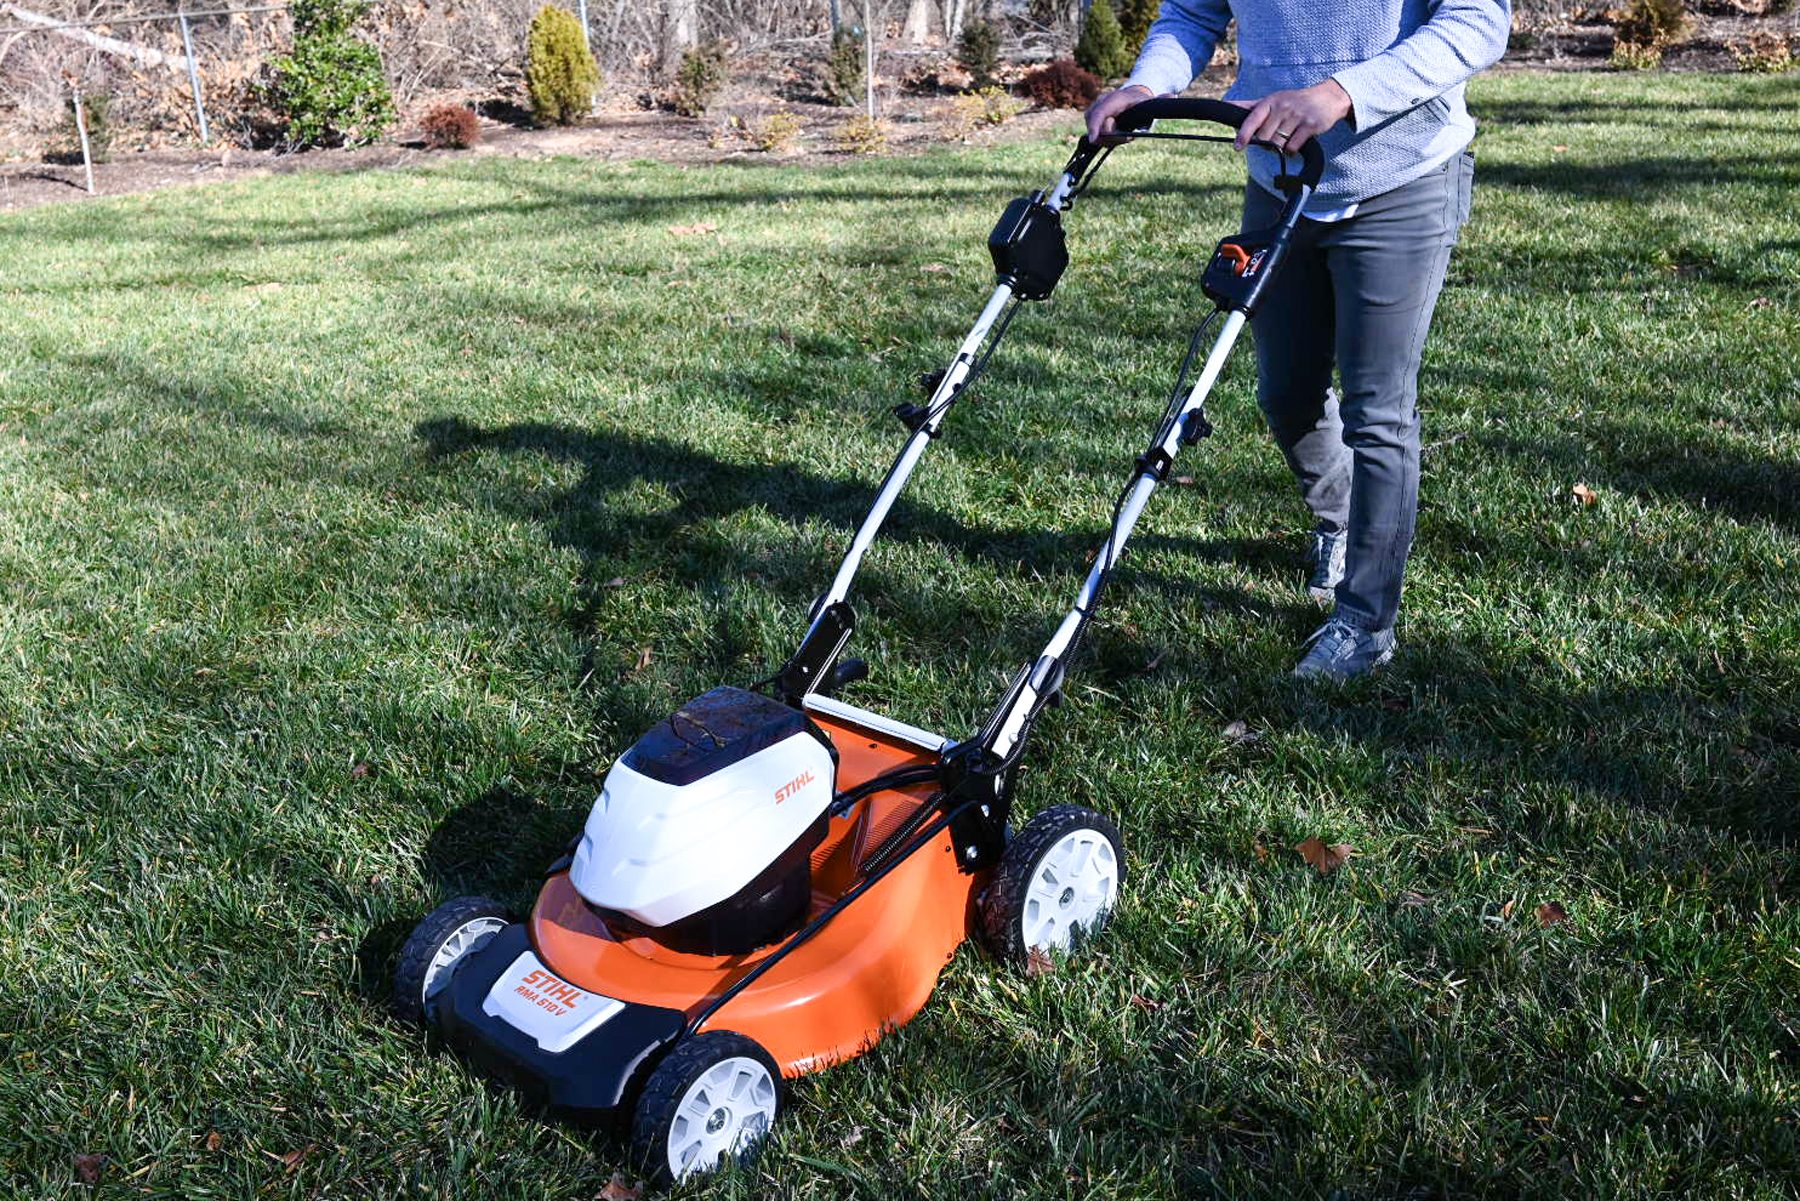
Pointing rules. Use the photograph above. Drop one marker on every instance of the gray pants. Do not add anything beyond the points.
(1358, 294)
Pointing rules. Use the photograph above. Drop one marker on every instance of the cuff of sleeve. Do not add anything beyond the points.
(1373, 99)
(1149, 83)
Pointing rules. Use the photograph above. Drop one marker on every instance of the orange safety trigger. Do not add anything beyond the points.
(1236, 255)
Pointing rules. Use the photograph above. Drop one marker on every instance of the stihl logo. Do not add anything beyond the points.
(792, 786)
(547, 992)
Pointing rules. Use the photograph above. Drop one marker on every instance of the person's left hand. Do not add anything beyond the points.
(1288, 119)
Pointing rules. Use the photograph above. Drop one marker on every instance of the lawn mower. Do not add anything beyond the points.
(772, 878)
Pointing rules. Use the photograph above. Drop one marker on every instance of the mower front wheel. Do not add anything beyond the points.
(712, 1099)
(449, 934)
(1057, 882)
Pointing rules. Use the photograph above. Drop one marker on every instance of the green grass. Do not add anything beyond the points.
(337, 510)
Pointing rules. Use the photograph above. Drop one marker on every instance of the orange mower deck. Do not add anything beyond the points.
(868, 971)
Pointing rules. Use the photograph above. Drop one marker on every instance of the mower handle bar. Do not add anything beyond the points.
(1137, 119)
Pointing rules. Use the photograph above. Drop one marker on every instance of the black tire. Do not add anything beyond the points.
(1005, 911)
(654, 1131)
(422, 947)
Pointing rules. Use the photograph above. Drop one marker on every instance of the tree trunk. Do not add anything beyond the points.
(954, 11)
(681, 30)
(138, 54)
(918, 22)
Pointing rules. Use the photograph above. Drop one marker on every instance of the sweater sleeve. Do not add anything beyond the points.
(1462, 37)
(1179, 45)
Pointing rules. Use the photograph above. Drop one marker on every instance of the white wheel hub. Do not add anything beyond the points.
(464, 941)
(729, 1107)
(1075, 883)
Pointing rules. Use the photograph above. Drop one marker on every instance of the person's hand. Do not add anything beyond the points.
(1288, 119)
(1101, 112)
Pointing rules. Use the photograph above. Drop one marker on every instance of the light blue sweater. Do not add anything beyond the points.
(1403, 63)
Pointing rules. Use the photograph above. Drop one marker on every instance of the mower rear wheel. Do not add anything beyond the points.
(448, 935)
(1058, 881)
(712, 1099)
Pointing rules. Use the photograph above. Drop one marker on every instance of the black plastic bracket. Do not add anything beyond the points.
(914, 417)
(1029, 248)
(1155, 463)
(811, 664)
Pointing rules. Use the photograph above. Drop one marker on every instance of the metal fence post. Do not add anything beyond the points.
(187, 47)
(87, 155)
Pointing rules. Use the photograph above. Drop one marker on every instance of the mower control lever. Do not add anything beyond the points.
(1136, 121)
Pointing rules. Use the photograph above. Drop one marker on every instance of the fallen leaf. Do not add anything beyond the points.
(361, 771)
(935, 268)
(213, 1141)
(1326, 859)
(1584, 494)
(1240, 731)
(1414, 900)
(619, 1189)
(291, 1160)
(1185, 481)
(1139, 1001)
(644, 657)
(1761, 302)
(617, 581)
(1506, 910)
(1262, 852)
(1551, 912)
(1038, 962)
(89, 1167)
(1155, 662)
(1559, 149)
(698, 227)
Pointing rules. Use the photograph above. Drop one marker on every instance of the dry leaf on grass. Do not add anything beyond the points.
(619, 1189)
(1761, 302)
(1551, 912)
(1506, 910)
(1326, 859)
(213, 1141)
(935, 268)
(1038, 962)
(361, 771)
(1262, 852)
(1240, 731)
(1184, 481)
(292, 1159)
(1559, 149)
(1140, 1001)
(1584, 494)
(645, 655)
(89, 1167)
(617, 581)
(698, 227)
(1414, 900)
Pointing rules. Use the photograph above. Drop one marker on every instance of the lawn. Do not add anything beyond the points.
(351, 524)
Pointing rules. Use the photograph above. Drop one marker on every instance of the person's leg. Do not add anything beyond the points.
(1386, 266)
(1293, 332)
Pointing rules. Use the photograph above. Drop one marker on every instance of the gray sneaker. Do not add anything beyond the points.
(1340, 651)
(1327, 566)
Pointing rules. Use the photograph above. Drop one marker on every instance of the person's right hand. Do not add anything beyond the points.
(1101, 112)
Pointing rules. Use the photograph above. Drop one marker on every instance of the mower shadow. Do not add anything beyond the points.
(613, 543)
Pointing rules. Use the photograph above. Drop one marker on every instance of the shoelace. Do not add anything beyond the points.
(1333, 636)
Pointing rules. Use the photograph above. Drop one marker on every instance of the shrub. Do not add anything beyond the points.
(1135, 17)
(1101, 48)
(96, 113)
(1656, 24)
(844, 68)
(331, 90)
(701, 74)
(862, 135)
(561, 76)
(978, 51)
(451, 127)
(1630, 56)
(776, 132)
(1061, 84)
(1764, 52)
(986, 106)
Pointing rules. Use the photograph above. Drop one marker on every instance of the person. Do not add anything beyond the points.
(1380, 84)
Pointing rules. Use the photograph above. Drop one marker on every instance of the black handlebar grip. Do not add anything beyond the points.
(1200, 108)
